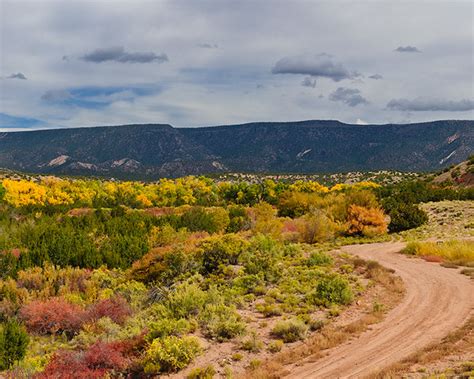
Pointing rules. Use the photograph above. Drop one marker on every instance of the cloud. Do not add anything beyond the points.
(18, 75)
(316, 66)
(426, 104)
(118, 54)
(56, 96)
(308, 82)
(349, 96)
(208, 46)
(376, 77)
(407, 49)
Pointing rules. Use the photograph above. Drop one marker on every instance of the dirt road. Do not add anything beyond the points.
(437, 301)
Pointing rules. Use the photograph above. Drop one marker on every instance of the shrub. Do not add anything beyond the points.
(406, 216)
(187, 300)
(222, 322)
(220, 250)
(315, 227)
(319, 259)
(334, 289)
(96, 362)
(366, 221)
(275, 346)
(252, 343)
(170, 354)
(290, 331)
(207, 372)
(168, 327)
(269, 310)
(13, 343)
(116, 308)
(102, 355)
(52, 316)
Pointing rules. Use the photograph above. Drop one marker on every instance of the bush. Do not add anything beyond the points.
(168, 327)
(170, 354)
(275, 346)
(290, 331)
(331, 290)
(454, 251)
(116, 308)
(366, 221)
(220, 250)
(319, 259)
(207, 372)
(222, 322)
(406, 216)
(252, 343)
(13, 343)
(53, 316)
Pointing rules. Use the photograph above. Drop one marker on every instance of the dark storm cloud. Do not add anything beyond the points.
(376, 77)
(407, 49)
(317, 66)
(434, 105)
(118, 54)
(309, 82)
(349, 96)
(18, 75)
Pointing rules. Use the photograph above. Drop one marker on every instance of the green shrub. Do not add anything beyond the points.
(168, 327)
(406, 216)
(207, 372)
(220, 250)
(170, 354)
(221, 322)
(269, 310)
(290, 331)
(13, 343)
(187, 300)
(329, 290)
(319, 259)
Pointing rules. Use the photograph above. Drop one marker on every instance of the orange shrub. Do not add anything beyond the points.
(366, 221)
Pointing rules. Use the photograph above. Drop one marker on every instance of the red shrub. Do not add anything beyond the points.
(52, 316)
(69, 365)
(93, 363)
(103, 355)
(116, 308)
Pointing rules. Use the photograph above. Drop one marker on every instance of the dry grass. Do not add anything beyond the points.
(455, 342)
(331, 336)
(457, 252)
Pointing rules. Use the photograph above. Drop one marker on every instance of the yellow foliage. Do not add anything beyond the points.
(366, 221)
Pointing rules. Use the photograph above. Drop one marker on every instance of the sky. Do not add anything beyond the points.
(200, 63)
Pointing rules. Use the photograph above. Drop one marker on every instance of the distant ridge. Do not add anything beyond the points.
(150, 151)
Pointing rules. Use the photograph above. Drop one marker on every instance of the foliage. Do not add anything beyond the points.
(332, 289)
(221, 322)
(53, 316)
(170, 354)
(366, 221)
(13, 343)
(290, 331)
(406, 216)
(457, 251)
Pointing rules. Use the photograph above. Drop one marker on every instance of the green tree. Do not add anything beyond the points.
(13, 343)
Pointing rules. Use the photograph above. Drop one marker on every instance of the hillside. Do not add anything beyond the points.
(156, 150)
(461, 174)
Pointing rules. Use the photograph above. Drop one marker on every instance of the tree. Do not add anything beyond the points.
(13, 343)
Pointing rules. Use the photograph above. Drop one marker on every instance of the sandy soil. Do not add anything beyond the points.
(437, 301)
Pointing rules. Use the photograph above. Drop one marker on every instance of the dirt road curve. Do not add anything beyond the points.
(437, 301)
